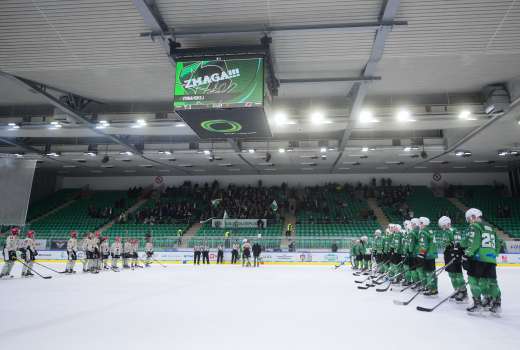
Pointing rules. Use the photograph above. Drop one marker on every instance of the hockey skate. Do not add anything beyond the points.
(476, 308)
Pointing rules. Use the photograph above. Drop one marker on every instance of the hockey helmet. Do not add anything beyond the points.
(118, 239)
(444, 221)
(73, 234)
(377, 232)
(15, 231)
(415, 222)
(98, 234)
(424, 221)
(30, 234)
(473, 212)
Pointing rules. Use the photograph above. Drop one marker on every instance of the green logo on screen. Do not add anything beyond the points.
(221, 125)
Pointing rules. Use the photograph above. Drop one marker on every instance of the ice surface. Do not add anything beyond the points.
(229, 307)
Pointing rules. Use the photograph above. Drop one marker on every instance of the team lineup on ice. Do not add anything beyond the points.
(400, 263)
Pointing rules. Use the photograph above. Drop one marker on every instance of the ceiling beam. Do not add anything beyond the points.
(150, 13)
(359, 91)
(355, 27)
(40, 89)
(328, 80)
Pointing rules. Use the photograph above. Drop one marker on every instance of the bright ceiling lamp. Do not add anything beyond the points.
(466, 115)
(139, 123)
(404, 116)
(281, 150)
(366, 116)
(318, 118)
(280, 118)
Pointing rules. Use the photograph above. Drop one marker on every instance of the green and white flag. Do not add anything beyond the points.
(216, 202)
(225, 215)
(274, 205)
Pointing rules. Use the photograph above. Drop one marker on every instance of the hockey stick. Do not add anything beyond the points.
(47, 267)
(390, 283)
(157, 261)
(437, 272)
(430, 309)
(24, 264)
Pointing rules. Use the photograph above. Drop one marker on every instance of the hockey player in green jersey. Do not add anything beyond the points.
(413, 251)
(366, 251)
(407, 254)
(451, 240)
(395, 249)
(377, 249)
(428, 254)
(482, 251)
(355, 254)
(387, 254)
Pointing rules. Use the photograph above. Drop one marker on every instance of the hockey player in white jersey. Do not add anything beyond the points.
(9, 252)
(134, 255)
(97, 251)
(90, 246)
(83, 248)
(127, 250)
(148, 248)
(72, 252)
(246, 253)
(104, 250)
(116, 250)
(29, 246)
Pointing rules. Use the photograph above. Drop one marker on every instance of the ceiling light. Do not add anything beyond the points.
(463, 153)
(18, 155)
(503, 153)
(54, 125)
(139, 123)
(466, 115)
(102, 124)
(126, 153)
(180, 125)
(281, 150)
(92, 154)
(251, 150)
(367, 116)
(207, 152)
(13, 126)
(404, 116)
(280, 118)
(323, 150)
(53, 154)
(364, 149)
(317, 118)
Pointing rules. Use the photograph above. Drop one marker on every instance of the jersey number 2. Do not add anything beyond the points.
(488, 240)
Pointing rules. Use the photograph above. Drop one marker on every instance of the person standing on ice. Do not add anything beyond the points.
(234, 253)
(395, 253)
(407, 252)
(367, 253)
(428, 254)
(104, 250)
(148, 248)
(205, 253)
(9, 252)
(453, 254)
(246, 253)
(116, 250)
(414, 250)
(257, 250)
(377, 249)
(83, 247)
(127, 251)
(90, 244)
(220, 254)
(196, 254)
(134, 255)
(29, 245)
(482, 251)
(72, 252)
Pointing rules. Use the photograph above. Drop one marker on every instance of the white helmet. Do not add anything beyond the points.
(473, 212)
(244, 240)
(407, 224)
(377, 232)
(424, 221)
(364, 238)
(444, 221)
(397, 228)
(415, 222)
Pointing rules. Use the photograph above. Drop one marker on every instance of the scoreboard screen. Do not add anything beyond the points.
(219, 83)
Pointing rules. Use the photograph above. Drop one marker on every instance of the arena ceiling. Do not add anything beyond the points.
(432, 58)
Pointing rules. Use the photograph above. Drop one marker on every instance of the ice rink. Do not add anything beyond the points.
(229, 307)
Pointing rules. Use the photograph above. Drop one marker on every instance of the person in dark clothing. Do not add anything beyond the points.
(220, 255)
(257, 249)
(196, 255)
(234, 253)
(205, 253)
(334, 247)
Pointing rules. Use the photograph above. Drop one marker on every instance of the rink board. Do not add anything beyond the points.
(274, 258)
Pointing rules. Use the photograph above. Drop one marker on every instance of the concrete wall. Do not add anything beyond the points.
(424, 179)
